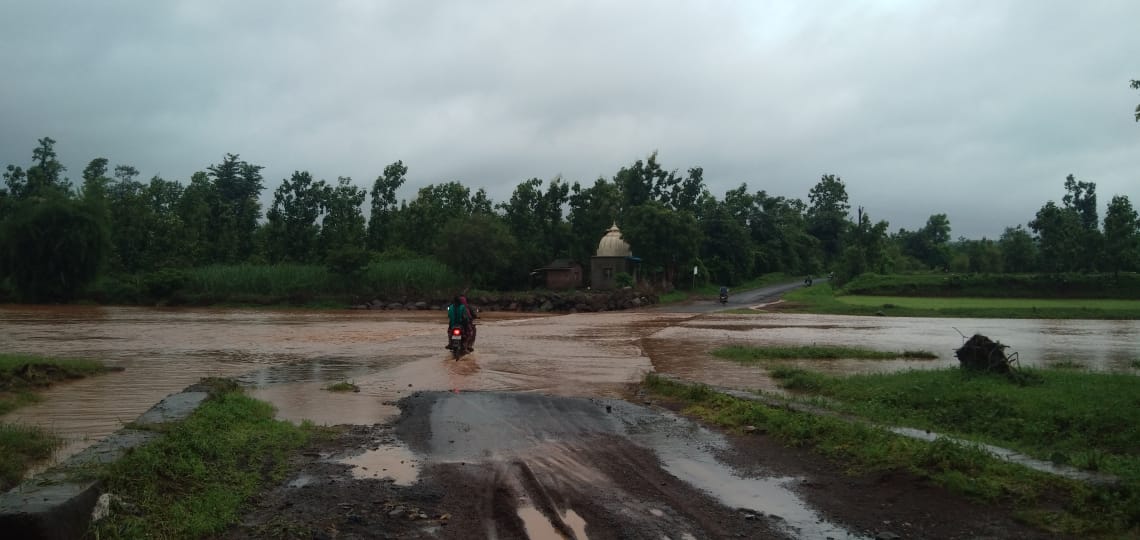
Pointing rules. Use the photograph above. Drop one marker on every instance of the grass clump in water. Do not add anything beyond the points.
(746, 354)
(192, 482)
(343, 386)
(21, 446)
(20, 376)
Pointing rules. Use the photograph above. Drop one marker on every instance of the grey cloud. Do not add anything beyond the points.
(977, 110)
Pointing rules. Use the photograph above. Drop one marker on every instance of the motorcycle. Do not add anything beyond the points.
(457, 342)
(723, 299)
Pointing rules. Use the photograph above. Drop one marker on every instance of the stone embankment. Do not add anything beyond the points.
(561, 302)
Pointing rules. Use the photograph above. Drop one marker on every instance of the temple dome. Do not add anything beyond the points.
(612, 244)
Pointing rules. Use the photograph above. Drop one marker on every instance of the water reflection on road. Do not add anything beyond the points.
(289, 356)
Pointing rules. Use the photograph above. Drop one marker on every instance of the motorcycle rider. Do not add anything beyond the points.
(723, 292)
(469, 328)
(459, 314)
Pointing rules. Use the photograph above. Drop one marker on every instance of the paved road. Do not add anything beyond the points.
(741, 299)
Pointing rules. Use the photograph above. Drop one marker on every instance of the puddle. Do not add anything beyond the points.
(539, 527)
(685, 449)
(1010, 455)
(394, 462)
(297, 402)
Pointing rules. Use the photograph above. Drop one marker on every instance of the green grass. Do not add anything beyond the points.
(192, 482)
(755, 354)
(1090, 420)
(1073, 285)
(20, 376)
(940, 303)
(21, 446)
(343, 386)
(1047, 501)
(821, 299)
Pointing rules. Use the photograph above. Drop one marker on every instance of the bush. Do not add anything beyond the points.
(51, 249)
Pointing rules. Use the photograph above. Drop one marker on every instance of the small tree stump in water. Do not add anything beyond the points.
(980, 353)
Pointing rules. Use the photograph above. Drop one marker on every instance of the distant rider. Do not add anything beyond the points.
(469, 328)
(460, 315)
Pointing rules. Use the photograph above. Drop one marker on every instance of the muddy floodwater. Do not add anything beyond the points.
(290, 356)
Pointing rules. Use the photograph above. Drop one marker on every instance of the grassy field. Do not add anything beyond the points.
(1050, 502)
(192, 482)
(814, 352)
(822, 299)
(20, 376)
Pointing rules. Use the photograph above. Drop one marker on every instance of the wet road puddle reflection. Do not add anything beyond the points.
(539, 527)
(394, 462)
(686, 448)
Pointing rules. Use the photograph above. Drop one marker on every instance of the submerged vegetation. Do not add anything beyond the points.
(748, 354)
(20, 376)
(1051, 502)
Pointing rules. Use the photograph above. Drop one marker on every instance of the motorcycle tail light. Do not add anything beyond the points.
(455, 331)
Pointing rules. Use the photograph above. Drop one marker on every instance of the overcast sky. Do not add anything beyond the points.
(975, 109)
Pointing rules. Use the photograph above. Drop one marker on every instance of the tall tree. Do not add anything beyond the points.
(384, 204)
(827, 216)
(51, 249)
(238, 185)
(480, 247)
(930, 244)
(418, 224)
(665, 240)
(1059, 234)
(1121, 236)
(592, 211)
(292, 229)
(534, 218)
(196, 211)
(167, 229)
(1018, 252)
(865, 248)
(726, 248)
(45, 175)
(1136, 84)
(343, 224)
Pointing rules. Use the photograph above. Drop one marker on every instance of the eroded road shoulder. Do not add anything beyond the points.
(524, 465)
(506, 466)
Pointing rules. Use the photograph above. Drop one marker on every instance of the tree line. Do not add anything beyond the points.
(55, 236)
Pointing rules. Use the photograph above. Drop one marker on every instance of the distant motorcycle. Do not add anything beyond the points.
(723, 299)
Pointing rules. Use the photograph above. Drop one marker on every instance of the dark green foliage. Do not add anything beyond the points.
(670, 220)
(827, 217)
(51, 249)
(348, 262)
(1122, 285)
(480, 248)
(292, 228)
(1121, 236)
(384, 205)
